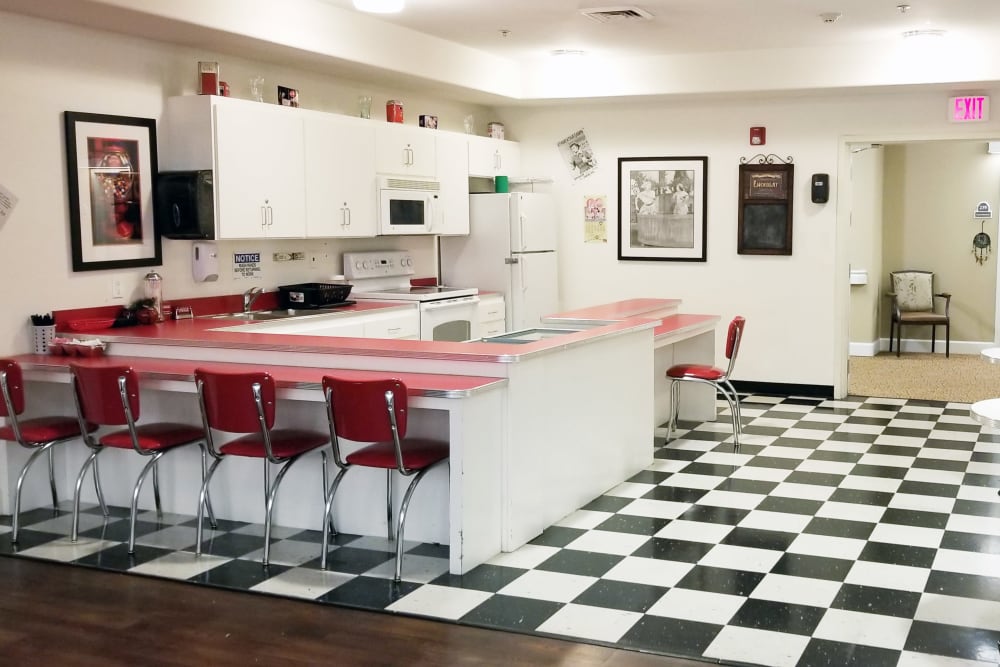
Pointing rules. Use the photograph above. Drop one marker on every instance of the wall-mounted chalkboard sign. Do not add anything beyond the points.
(765, 209)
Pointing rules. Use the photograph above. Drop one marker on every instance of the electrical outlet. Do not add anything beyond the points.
(281, 257)
(116, 288)
(298, 255)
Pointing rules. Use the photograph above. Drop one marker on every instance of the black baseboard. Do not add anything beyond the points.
(784, 389)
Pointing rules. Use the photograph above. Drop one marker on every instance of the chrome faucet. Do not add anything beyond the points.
(250, 296)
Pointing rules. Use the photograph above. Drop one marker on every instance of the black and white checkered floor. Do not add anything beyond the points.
(851, 532)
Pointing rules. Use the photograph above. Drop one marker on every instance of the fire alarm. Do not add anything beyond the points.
(758, 136)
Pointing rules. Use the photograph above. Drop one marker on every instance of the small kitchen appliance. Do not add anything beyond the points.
(408, 205)
(446, 313)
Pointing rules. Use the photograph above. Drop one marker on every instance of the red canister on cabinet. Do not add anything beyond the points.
(394, 111)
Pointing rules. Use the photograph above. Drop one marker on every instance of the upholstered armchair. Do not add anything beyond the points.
(913, 303)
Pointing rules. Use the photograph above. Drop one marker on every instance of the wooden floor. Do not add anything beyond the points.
(54, 614)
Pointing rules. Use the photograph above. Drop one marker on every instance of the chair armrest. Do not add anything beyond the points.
(947, 302)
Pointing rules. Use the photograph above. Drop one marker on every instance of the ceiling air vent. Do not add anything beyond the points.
(616, 14)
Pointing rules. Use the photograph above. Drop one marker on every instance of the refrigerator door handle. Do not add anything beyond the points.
(510, 260)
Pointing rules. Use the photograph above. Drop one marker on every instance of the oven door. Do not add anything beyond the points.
(454, 320)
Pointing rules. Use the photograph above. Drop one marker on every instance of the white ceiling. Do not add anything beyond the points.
(537, 27)
(690, 47)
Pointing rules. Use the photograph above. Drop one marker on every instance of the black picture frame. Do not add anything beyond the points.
(663, 208)
(765, 209)
(111, 172)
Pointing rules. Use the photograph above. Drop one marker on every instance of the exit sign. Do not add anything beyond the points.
(969, 109)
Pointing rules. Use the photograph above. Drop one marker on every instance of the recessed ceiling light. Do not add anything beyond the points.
(379, 6)
(909, 34)
(830, 17)
(568, 52)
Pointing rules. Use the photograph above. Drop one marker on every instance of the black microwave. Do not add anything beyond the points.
(185, 204)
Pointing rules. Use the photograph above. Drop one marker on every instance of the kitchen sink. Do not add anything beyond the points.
(260, 315)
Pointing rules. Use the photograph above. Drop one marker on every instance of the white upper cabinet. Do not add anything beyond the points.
(405, 150)
(453, 174)
(257, 153)
(340, 176)
(493, 157)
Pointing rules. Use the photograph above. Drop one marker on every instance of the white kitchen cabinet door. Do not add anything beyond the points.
(259, 171)
(453, 174)
(394, 324)
(403, 150)
(493, 157)
(340, 177)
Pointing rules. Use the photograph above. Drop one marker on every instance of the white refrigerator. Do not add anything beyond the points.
(511, 249)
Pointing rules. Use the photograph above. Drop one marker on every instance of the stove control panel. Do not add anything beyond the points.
(382, 264)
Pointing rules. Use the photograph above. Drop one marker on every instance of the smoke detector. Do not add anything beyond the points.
(616, 14)
(830, 17)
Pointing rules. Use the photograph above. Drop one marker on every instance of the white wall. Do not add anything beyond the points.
(794, 328)
(79, 69)
(865, 241)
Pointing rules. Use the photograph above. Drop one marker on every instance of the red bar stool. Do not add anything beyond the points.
(375, 411)
(712, 375)
(109, 396)
(245, 403)
(38, 433)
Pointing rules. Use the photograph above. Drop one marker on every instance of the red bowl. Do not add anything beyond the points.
(56, 349)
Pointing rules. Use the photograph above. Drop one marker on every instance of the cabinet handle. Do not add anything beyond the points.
(497, 160)
(270, 216)
(263, 216)
(394, 330)
(345, 213)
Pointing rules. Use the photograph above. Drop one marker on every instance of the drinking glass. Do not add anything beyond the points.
(257, 88)
(365, 106)
(470, 124)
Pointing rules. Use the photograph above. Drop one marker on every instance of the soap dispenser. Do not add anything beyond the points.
(205, 262)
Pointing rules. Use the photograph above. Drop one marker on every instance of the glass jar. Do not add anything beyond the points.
(152, 285)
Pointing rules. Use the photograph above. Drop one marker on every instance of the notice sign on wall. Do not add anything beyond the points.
(8, 200)
(246, 265)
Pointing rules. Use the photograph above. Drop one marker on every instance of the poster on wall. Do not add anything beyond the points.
(579, 157)
(595, 219)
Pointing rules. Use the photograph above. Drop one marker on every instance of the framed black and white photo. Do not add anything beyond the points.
(111, 168)
(662, 208)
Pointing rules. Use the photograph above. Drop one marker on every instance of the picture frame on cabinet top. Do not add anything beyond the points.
(111, 180)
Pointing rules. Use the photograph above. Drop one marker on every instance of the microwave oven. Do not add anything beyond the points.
(407, 205)
(185, 205)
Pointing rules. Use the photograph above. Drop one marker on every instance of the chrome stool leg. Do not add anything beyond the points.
(402, 519)
(156, 489)
(16, 519)
(269, 506)
(202, 501)
(208, 497)
(52, 477)
(91, 461)
(328, 527)
(388, 503)
(97, 488)
(151, 465)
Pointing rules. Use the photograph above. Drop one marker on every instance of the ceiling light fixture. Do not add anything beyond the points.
(567, 52)
(923, 34)
(379, 6)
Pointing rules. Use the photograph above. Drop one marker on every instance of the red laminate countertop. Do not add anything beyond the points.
(208, 333)
(287, 377)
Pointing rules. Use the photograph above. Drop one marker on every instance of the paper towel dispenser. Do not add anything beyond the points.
(185, 204)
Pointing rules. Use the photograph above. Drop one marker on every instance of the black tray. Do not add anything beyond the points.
(312, 295)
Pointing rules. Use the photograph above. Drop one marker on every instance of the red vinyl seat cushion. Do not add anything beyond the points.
(40, 430)
(285, 443)
(418, 453)
(156, 436)
(701, 372)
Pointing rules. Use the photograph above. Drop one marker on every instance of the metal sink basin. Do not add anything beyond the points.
(260, 315)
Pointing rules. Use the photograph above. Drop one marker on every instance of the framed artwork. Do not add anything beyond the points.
(288, 97)
(662, 208)
(765, 209)
(111, 168)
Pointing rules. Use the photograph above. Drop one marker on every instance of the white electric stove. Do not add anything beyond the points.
(446, 313)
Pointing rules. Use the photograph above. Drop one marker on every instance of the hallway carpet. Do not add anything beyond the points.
(962, 377)
(849, 532)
